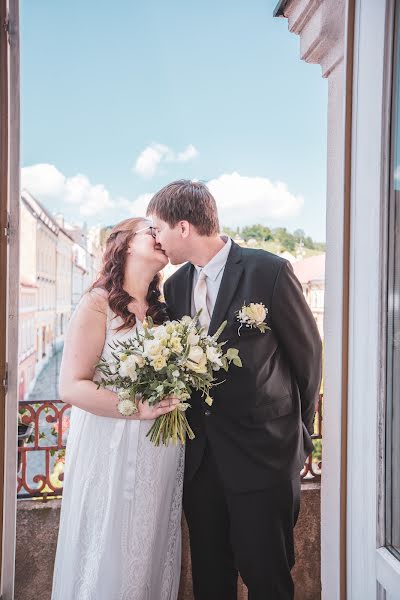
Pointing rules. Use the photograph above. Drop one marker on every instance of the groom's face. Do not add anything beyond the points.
(171, 239)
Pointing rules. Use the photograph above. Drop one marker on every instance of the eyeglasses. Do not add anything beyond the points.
(151, 231)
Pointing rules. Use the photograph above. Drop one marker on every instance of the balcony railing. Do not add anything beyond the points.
(42, 457)
(313, 466)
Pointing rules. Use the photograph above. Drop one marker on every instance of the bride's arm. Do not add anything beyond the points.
(82, 350)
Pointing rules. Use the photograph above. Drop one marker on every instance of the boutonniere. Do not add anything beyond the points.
(253, 315)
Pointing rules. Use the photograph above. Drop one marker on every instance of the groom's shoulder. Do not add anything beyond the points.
(262, 257)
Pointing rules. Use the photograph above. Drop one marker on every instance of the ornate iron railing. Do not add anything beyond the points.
(42, 456)
(313, 465)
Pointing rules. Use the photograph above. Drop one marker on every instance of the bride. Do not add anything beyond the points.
(119, 536)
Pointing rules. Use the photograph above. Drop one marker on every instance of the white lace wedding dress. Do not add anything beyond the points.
(120, 526)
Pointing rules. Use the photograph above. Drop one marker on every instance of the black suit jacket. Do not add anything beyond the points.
(261, 419)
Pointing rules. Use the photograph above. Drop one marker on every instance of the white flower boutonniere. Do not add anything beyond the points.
(253, 315)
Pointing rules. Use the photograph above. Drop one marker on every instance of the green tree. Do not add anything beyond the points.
(299, 235)
(230, 232)
(284, 238)
(258, 232)
(308, 243)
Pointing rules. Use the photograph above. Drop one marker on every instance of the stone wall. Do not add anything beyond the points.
(37, 526)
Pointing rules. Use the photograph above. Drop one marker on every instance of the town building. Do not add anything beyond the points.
(311, 274)
(28, 300)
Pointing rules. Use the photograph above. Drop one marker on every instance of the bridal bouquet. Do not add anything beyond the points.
(172, 359)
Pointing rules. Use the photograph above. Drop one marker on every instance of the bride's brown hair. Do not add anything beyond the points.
(111, 276)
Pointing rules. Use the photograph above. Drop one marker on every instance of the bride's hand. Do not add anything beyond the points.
(166, 405)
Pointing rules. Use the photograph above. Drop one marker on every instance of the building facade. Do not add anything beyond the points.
(28, 301)
(46, 288)
(311, 274)
(64, 268)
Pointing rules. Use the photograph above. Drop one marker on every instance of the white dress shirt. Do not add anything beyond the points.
(214, 270)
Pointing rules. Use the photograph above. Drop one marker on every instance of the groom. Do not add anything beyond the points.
(242, 471)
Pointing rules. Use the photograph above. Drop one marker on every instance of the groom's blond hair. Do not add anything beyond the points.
(186, 200)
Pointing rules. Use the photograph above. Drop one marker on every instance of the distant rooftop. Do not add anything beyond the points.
(310, 269)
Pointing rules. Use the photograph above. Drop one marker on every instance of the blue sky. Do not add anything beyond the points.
(119, 99)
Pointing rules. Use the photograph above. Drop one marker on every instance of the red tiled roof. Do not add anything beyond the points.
(310, 269)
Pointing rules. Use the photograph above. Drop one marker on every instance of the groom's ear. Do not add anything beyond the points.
(184, 227)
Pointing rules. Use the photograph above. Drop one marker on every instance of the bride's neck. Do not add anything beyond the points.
(136, 282)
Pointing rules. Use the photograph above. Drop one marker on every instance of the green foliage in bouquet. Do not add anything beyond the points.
(172, 359)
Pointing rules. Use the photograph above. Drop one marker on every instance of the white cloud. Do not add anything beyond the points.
(241, 200)
(137, 207)
(151, 157)
(188, 154)
(51, 187)
(246, 200)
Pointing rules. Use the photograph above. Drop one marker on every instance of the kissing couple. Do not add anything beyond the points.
(238, 480)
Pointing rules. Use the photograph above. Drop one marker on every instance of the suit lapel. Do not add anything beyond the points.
(187, 291)
(230, 280)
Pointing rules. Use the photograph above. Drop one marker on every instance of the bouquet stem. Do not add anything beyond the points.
(172, 426)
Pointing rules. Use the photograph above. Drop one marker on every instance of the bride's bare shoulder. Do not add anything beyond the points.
(95, 300)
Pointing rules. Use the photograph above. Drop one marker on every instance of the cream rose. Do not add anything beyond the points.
(255, 313)
(197, 360)
(175, 344)
(158, 363)
(193, 339)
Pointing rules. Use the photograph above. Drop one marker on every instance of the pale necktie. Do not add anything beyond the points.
(200, 300)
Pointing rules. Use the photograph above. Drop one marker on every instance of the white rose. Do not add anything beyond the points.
(151, 348)
(132, 374)
(196, 353)
(140, 361)
(113, 366)
(122, 371)
(130, 362)
(160, 332)
(197, 360)
(256, 313)
(214, 355)
(128, 368)
(193, 339)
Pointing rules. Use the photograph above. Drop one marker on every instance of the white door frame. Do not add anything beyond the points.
(12, 291)
(372, 571)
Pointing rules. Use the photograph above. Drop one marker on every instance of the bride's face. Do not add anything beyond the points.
(173, 240)
(144, 246)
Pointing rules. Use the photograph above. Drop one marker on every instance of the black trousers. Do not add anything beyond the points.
(250, 533)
